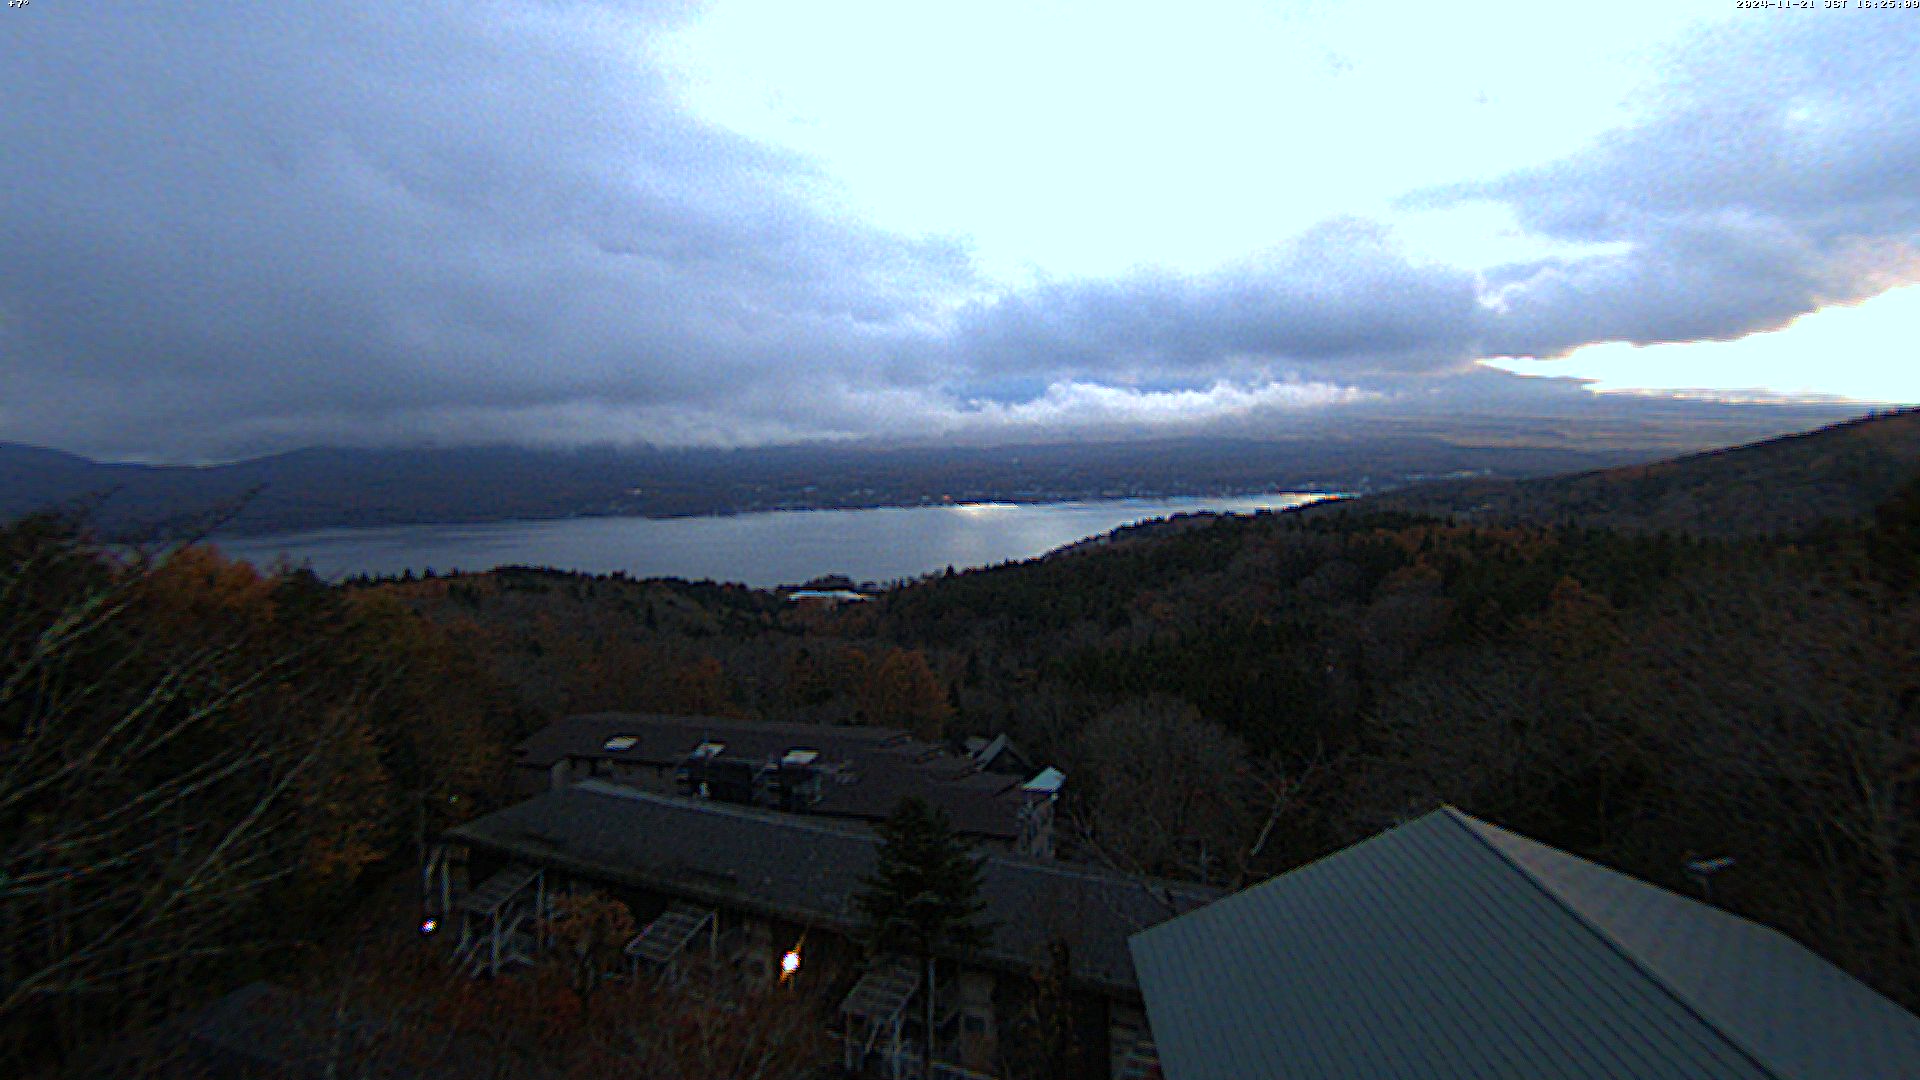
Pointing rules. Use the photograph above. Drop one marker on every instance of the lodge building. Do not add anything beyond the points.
(992, 793)
(738, 887)
(1445, 947)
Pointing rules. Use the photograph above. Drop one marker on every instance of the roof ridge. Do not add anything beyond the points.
(707, 806)
(1466, 823)
(849, 731)
(1057, 868)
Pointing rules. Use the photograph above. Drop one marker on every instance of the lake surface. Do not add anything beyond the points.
(775, 548)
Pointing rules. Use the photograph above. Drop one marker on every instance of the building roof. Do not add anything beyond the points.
(875, 767)
(998, 753)
(1449, 947)
(666, 740)
(807, 871)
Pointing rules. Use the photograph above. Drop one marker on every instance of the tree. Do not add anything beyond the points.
(1053, 1011)
(590, 930)
(177, 768)
(923, 896)
(699, 688)
(441, 718)
(1893, 543)
(904, 690)
(1168, 793)
(392, 1007)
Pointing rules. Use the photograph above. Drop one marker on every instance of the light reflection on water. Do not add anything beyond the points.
(779, 547)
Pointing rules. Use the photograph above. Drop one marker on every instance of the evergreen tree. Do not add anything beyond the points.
(1894, 541)
(1054, 1007)
(923, 896)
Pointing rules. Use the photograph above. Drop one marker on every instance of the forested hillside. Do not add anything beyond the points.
(1774, 487)
(1233, 696)
(1230, 697)
(200, 769)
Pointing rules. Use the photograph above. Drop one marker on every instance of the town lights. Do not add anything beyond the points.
(789, 963)
(429, 926)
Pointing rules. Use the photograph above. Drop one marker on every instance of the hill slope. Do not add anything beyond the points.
(1234, 696)
(1769, 488)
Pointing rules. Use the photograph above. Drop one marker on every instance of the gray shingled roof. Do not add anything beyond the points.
(886, 764)
(666, 740)
(807, 871)
(1449, 947)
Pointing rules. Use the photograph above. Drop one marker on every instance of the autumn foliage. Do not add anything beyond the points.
(903, 692)
(198, 765)
(589, 931)
(537, 1023)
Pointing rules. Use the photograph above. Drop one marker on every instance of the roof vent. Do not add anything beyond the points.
(1047, 782)
(1702, 871)
(621, 742)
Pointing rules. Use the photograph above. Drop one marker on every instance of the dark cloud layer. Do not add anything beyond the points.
(1338, 303)
(231, 233)
(405, 210)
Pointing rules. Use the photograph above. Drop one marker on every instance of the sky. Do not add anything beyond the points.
(232, 230)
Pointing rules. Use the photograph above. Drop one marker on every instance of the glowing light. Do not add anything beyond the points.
(790, 963)
(429, 926)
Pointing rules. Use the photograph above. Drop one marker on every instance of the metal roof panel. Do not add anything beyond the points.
(1449, 948)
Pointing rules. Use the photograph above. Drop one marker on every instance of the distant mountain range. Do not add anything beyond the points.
(326, 488)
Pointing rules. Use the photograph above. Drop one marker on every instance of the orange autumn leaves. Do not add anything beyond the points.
(416, 735)
(416, 741)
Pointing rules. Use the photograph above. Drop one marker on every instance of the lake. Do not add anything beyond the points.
(764, 549)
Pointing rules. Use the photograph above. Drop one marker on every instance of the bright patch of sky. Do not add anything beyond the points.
(1080, 141)
(1868, 352)
(1087, 139)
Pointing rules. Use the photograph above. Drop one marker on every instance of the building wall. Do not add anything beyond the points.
(1036, 829)
(1126, 1024)
(986, 1001)
(979, 1023)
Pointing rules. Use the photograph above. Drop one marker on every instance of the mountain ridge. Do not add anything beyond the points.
(1775, 486)
(330, 487)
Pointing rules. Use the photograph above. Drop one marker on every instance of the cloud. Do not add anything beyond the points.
(226, 232)
(496, 222)
(1769, 175)
(1072, 409)
(1340, 301)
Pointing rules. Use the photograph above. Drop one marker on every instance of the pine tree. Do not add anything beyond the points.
(923, 896)
(1053, 1007)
